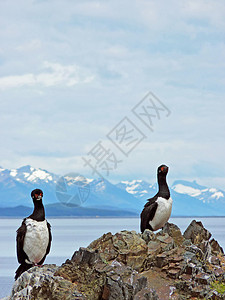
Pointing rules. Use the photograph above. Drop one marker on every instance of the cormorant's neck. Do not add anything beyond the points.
(38, 212)
(163, 187)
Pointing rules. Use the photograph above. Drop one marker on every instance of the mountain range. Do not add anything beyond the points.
(75, 195)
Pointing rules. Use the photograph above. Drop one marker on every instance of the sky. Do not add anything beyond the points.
(114, 88)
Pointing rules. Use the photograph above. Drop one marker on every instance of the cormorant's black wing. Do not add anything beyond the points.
(21, 231)
(148, 213)
(152, 200)
(50, 238)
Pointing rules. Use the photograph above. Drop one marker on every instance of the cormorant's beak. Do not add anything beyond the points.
(38, 197)
(164, 169)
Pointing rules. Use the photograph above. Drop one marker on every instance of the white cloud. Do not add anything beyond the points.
(54, 74)
(175, 49)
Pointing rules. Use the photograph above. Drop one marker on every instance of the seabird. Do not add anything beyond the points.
(157, 210)
(34, 237)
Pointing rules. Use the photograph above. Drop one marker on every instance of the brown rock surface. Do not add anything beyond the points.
(126, 246)
(197, 233)
(130, 265)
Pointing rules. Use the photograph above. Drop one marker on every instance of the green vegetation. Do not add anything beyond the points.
(218, 286)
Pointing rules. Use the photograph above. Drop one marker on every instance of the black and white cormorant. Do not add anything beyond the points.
(157, 210)
(34, 237)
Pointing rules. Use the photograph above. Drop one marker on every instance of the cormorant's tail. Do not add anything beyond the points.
(22, 268)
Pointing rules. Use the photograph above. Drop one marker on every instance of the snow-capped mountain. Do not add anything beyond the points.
(138, 188)
(143, 190)
(97, 193)
(189, 198)
(107, 195)
(202, 193)
(71, 190)
(27, 174)
(73, 194)
(17, 184)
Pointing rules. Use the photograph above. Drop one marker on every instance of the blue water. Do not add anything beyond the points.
(70, 234)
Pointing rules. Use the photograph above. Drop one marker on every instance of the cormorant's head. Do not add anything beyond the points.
(162, 170)
(37, 195)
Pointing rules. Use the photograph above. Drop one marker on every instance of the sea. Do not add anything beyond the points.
(72, 233)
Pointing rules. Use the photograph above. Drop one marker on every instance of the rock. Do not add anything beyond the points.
(105, 245)
(190, 269)
(161, 260)
(84, 256)
(204, 278)
(197, 233)
(146, 294)
(174, 273)
(215, 295)
(176, 259)
(206, 249)
(148, 236)
(167, 242)
(129, 265)
(216, 247)
(174, 231)
(154, 248)
(215, 260)
(119, 288)
(86, 271)
(127, 247)
(197, 253)
(97, 279)
(198, 292)
(125, 283)
(140, 284)
(183, 286)
(219, 272)
(85, 276)
(41, 283)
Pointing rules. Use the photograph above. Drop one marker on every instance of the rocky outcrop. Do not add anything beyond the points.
(130, 265)
(85, 276)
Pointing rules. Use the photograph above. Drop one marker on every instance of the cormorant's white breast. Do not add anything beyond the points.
(36, 240)
(162, 213)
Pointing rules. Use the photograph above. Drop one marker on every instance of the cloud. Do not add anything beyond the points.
(34, 44)
(189, 17)
(54, 74)
(105, 56)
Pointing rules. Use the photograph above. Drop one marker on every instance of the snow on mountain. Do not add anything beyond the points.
(132, 186)
(142, 189)
(138, 188)
(16, 185)
(72, 190)
(189, 198)
(216, 194)
(31, 174)
(13, 172)
(107, 195)
(182, 189)
(202, 193)
(27, 174)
